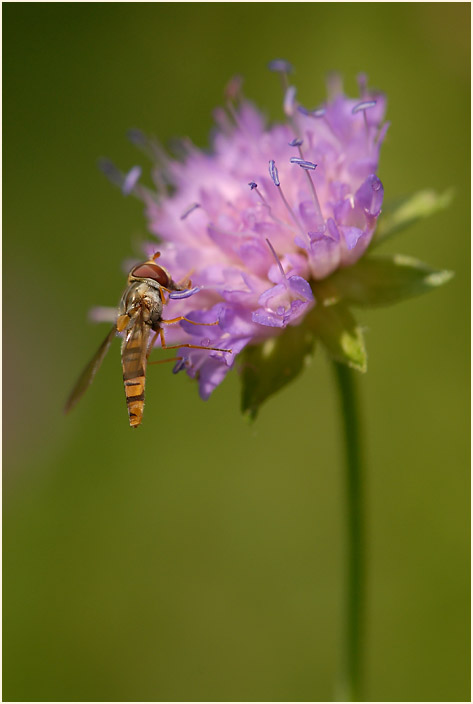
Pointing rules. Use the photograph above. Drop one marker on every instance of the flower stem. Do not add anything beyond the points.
(350, 681)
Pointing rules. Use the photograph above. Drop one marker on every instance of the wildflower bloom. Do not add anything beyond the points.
(263, 218)
(269, 210)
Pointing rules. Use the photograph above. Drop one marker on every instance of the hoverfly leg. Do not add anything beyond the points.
(163, 361)
(186, 344)
(182, 317)
(160, 361)
(151, 345)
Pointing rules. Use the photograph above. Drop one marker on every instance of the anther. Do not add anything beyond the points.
(253, 185)
(130, 180)
(137, 137)
(316, 112)
(178, 295)
(295, 142)
(284, 68)
(181, 364)
(303, 163)
(189, 210)
(280, 66)
(364, 105)
(303, 110)
(111, 172)
(273, 172)
(147, 145)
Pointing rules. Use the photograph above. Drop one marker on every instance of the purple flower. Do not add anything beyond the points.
(267, 212)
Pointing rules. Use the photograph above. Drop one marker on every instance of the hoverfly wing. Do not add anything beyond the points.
(134, 358)
(89, 372)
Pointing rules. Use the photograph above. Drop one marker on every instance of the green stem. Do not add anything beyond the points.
(350, 683)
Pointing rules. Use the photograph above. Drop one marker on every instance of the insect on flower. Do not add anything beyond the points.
(139, 317)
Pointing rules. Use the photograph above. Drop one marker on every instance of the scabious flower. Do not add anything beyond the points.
(266, 212)
(264, 217)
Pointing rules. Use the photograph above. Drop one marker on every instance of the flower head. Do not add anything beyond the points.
(263, 219)
(266, 212)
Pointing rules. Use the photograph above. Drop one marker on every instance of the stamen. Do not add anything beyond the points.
(284, 68)
(364, 106)
(254, 186)
(130, 180)
(303, 163)
(273, 172)
(362, 79)
(290, 101)
(334, 85)
(148, 145)
(189, 210)
(233, 88)
(179, 295)
(295, 142)
(236, 118)
(278, 261)
(233, 95)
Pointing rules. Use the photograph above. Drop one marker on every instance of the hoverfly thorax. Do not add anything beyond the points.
(144, 297)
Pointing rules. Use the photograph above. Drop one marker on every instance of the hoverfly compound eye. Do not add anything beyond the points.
(149, 270)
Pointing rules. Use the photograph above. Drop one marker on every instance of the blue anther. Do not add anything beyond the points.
(303, 163)
(179, 366)
(318, 112)
(253, 185)
(130, 180)
(280, 66)
(273, 172)
(295, 142)
(189, 210)
(179, 295)
(137, 137)
(363, 106)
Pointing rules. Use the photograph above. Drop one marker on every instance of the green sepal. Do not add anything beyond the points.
(399, 214)
(268, 367)
(380, 280)
(340, 334)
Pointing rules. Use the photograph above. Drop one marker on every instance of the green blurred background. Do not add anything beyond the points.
(200, 558)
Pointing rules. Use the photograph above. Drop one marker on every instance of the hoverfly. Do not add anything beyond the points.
(139, 317)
